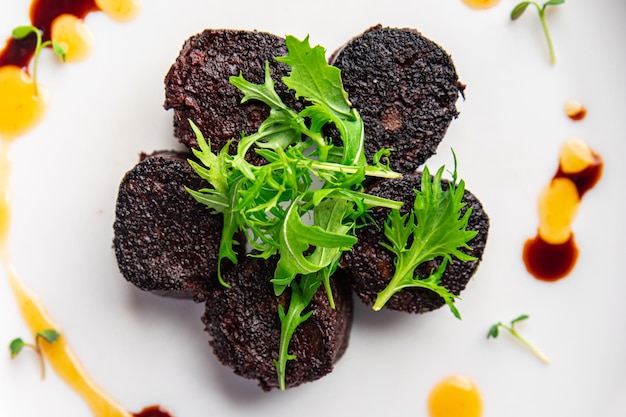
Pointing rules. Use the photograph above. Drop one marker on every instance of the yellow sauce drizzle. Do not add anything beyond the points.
(75, 37)
(23, 104)
(455, 396)
(59, 354)
(559, 200)
(481, 4)
(120, 10)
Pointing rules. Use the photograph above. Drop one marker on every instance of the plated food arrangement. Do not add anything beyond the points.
(160, 249)
(303, 188)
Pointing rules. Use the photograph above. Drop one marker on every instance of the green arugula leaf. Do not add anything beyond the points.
(302, 293)
(265, 92)
(434, 229)
(312, 78)
(296, 237)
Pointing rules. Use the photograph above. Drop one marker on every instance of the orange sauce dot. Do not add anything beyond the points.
(481, 4)
(552, 253)
(120, 10)
(558, 205)
(75, 37)
(575, 110)
(455, 396)
(23, 104)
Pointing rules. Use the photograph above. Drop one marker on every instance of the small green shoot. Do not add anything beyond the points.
(494, 332)
(521, 7)
(18, 344)
(22, 32)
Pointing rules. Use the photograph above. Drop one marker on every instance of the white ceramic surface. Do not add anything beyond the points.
(145, 350)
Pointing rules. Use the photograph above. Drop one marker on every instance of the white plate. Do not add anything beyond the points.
(145, 350)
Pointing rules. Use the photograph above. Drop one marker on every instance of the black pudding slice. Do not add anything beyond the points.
(197, 85)
(244, 326)
(371, 266)
(405, 87)
(165, 242)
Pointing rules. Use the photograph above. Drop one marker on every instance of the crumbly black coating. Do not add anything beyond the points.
(405, 87)
(165, 242)
(197, 85)
(245, 329)
(371, 266)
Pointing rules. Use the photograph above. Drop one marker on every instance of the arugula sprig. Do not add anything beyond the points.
(263, 200)
(433, 229)
(18, 344)
(269, 202)
(519, 9)
(494, 332)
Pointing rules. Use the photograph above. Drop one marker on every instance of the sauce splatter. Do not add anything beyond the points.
(59, 354)
(552, 253)
(24, 101)
(575, 110)
(22, 106)
(481, 4)
(455, 396)
(154, 411)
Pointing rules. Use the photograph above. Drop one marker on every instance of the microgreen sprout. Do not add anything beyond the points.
(521, 7)
(18, 344)
(22, 32)
(494, 332)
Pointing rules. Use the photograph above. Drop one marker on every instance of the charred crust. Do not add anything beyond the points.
(164, 241)
(197, 85)
(245, 328)
(405, 87)
(370, 266)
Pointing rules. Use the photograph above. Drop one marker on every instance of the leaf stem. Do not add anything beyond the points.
(370, 171)
(493, 332)
(39, 353)
(523, 341)
(394, 286)
(288, 327)
(546, 31)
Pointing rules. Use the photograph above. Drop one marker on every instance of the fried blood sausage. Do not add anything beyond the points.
(405, 87)
(197, 85)
(165, 242)
(371, 266)
(245, 328)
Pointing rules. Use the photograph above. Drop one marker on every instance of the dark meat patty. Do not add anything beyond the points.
(165, 242)
(371, 266)
(405, 87)
(245, 329)
(197, 85)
